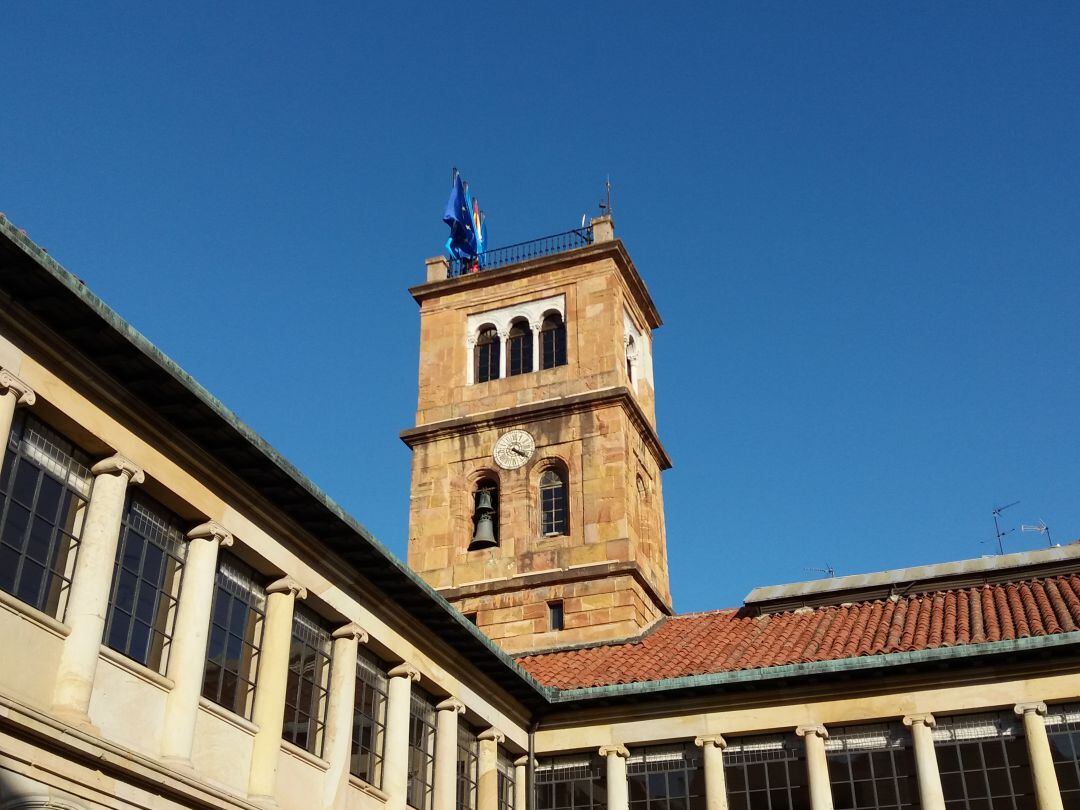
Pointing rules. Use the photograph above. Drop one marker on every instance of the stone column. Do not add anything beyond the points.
(712, 751)
(504, 346)
(268, 712)
(446, 720)
(930, 794)
(187, 656)
(618, 796)
(817, 766)
(396, 746)
(90, 585)
(337, 747)
(487, 777)
(13, 392)
(521, 787)
(536, 327)
(1047, 793)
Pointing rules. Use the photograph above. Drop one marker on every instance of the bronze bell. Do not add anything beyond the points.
(484, 536)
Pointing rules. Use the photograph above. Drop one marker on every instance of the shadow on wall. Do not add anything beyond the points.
(17, 792)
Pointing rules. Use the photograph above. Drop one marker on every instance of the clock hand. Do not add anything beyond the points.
(519, 451)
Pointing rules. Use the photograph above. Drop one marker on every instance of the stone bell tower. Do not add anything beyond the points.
(536, 506)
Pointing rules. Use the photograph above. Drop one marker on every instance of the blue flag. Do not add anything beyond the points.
(462, 241)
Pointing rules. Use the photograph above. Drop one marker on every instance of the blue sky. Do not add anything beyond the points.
(859, 221)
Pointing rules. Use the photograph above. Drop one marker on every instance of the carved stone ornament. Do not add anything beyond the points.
(212, 530)
(10, 384)
(119, 464)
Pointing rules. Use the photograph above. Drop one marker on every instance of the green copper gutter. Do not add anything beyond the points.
(864, 663)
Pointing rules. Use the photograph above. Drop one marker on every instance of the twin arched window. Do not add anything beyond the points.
(553, 507)
(522, 355)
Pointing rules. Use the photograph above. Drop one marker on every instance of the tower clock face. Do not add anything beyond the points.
(513, 449)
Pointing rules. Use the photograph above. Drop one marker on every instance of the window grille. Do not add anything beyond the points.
(669, 777)
(520, 349)
(983, 762)
(507, 781)
(766, 772)
(872, 767)
(236, 624)
(421, 750)
(553, 341)
(467, 767)
(553, 512)
(309, 682)
(487, 355)
(44, 489)
(571, 783)
(146, 582)
(369, 719)
(1063, 729)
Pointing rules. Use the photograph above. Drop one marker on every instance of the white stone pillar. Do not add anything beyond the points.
(712, 751)
(446, 722)
(268, 712)
(487, 776)
(337, 747)
(1047, 792)
(504, 346)
(817, 766)
(187, 656)
(521, 786)
(536, 327)
(931, 796)
(395, 775)
(470, 356)
(91, 581)
(618, 795)
(13, 392)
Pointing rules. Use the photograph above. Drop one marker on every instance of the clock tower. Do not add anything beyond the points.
(536, 503)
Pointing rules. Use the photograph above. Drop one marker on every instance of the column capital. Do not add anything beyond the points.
(923, 718)
(492, 735)
(451, 704)
(522, 761)
(716, 740)
(404, 670)
(10, 384)
(1037, 706)
(287, 585)
(815, 729)
(352, 631)
(120, 464)
(537, 326)
(212, 530)
(617, 750)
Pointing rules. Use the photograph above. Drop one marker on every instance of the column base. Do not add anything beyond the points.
(76, 719)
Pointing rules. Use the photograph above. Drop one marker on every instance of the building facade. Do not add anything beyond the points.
(188, 622)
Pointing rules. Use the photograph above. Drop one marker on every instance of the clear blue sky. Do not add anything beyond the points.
(860, 222)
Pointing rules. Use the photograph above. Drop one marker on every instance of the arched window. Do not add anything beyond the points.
(487, 355)
(631, 353)
(553, 512)
(553, 341)
(642, 500)
(520, 349)
(485, 519)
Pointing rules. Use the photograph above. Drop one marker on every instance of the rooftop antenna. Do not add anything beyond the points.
(828, 571)
(605, 202)
(997, 526)
(1039, 527)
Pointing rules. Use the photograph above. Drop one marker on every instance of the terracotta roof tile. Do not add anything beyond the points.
(731, 640)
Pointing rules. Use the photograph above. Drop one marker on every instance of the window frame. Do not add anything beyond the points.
(507, 781)
(468, 768)
(554, 503)
(487, 361)
(519, 348)
(958, 738)
(1063, 732)
(371, 682)
(672, 765)
(553, 341)
(237, 595)
(889, 761)
(560, 782)
(753, 755)
(304, 717)
(420, 783)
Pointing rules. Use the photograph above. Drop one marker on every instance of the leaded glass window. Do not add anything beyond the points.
(487, 355)
(520, 349)
(236, 624)
(666, 777)
(571, 783)
(468, 755)
(369, 719)
(146, 582)
(1063, 729)
(766, 772)
(553, 341)
(44, 488)
(421, 750)
(553, 511)
(507, 781)
(309, 681)
(983, 762)
(872, 767)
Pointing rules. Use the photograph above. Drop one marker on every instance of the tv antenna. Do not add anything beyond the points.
(605, 201)
(828, 571)
(998, 533)
(1039, 527)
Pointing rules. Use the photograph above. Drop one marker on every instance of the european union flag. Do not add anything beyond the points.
(462, 241)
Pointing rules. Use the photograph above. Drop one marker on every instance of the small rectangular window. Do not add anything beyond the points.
(555, 615)
(471, 617)
(232, 651)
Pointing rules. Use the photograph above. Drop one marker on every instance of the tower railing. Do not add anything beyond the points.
(523, 251)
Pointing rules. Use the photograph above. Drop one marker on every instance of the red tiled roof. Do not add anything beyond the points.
(730, 640)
